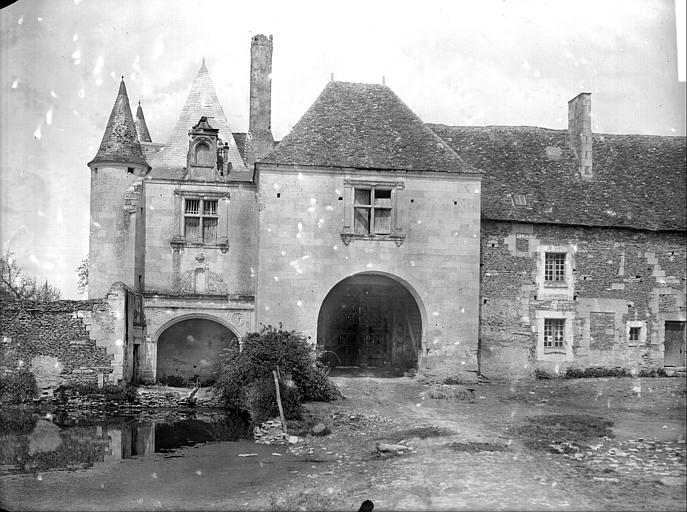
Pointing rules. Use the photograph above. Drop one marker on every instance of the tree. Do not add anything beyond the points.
(82, 275)
(15, 284)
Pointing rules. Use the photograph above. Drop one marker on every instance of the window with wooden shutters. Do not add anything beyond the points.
(200, 220)
(372, 211)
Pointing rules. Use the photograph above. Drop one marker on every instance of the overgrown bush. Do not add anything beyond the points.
(264, 351)
(261, 400)
(654, 372)
(540, 374)
(584, 373)
(18, 387)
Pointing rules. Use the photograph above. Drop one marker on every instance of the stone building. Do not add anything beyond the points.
(389, 242)
(582, 246)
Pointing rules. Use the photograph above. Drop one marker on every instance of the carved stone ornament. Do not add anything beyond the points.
(177, 242)
(237, 319)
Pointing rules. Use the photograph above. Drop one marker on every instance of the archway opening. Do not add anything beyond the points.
(190, 349)
(370, 321)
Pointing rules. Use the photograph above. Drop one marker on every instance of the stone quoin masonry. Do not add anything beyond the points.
(388, 241)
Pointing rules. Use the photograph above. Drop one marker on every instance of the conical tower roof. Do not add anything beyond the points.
(120, 143)
(201, 101)
(141, 126)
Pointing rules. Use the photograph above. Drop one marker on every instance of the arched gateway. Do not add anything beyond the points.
(370, 320)
(190, 347)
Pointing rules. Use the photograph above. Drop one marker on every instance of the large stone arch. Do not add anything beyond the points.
(190, 345)
(371, 319)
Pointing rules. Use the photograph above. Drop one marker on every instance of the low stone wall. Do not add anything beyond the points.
(59, 342)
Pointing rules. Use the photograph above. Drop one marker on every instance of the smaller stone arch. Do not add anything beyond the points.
(190, 346)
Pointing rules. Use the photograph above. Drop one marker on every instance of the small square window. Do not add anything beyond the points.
(634, 334)
(372, 211)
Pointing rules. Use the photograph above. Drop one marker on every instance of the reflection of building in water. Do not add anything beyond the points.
(131, 440)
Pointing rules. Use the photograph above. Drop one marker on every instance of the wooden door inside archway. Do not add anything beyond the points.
(370, 321)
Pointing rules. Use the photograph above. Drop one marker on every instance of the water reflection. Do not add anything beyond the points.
(33, 443)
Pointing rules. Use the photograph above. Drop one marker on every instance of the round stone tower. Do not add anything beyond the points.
(117, 220)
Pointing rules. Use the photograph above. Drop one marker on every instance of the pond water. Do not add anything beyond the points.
(35, 443)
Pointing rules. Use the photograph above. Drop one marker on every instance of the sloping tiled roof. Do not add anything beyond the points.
(240, 139)
(120, 141)
(638, 180)
(141, 126)
(201, 101)
(364, 126)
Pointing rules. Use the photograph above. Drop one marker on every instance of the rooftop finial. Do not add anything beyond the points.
(383, 80)
(332, 77)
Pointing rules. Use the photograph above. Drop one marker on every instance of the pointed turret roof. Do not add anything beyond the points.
(141, 126)
(201, 101)
(365, 126)
(120, 143)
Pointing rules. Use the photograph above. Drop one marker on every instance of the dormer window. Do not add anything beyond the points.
(203, 155)
(519, 199)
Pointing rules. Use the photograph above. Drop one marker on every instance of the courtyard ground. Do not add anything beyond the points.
(582, 444)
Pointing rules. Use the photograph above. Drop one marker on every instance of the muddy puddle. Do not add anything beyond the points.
(36, 443)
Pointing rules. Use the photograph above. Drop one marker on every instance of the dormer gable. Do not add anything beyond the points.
(205, 160)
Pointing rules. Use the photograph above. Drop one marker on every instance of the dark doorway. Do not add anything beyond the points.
(135, 378)
(370, 320)
(674, 353)
(191, 348)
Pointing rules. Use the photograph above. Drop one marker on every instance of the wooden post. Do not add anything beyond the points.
(281, 410)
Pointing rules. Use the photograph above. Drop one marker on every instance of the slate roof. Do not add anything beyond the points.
(120, 142)
(169, 161)
(364, 126)
(240, 139)
(141, 126)
(639, 180)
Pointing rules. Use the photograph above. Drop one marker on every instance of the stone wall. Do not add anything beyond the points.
(303, 255)
(52, 339)
(116, 223)
(176, 266)
(71, 341)
(617, 279)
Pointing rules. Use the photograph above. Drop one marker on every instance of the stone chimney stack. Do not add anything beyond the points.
(260, 116)
(580, 131)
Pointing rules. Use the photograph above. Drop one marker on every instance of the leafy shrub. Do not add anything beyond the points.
(540, 374)
(654, 372)
(583, 373)
(262, 353)
(261, 400)
(18, 387)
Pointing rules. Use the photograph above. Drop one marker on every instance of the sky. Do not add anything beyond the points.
(487, 62)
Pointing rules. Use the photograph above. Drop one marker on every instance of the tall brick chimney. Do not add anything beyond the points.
(260, 140)
(580, 131)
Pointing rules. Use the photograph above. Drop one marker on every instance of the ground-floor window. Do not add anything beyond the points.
(554, 332)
